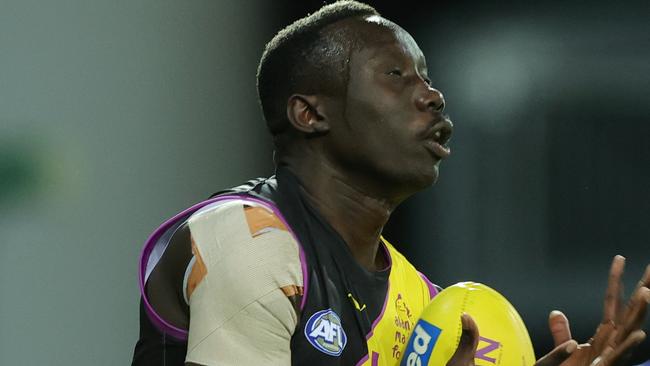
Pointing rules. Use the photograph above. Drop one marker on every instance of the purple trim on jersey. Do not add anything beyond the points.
(303, 266)
(375, 359)
(150, 244)
(433, 291)
(383, 309)
(387, 254)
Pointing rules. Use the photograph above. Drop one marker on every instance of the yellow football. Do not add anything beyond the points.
(503, 338)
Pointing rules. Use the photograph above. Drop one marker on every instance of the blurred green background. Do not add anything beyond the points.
(114, 115)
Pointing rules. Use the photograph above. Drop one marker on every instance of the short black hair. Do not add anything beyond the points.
(305, 58)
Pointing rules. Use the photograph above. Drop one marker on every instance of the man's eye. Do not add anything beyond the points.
(395, 72)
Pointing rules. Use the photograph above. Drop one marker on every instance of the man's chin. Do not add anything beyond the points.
(424, 179)
(431, 176)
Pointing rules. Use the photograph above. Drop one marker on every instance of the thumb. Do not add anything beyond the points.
(464, 355)
(558, 354)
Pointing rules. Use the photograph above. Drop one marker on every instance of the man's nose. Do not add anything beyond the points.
(431, 99)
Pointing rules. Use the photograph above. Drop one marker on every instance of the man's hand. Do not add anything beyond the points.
(464, 355)
(616, 337)
(618, 333)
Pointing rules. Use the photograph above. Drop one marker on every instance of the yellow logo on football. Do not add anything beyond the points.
(503, 340)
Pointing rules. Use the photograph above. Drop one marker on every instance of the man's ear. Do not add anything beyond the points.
(306, 114)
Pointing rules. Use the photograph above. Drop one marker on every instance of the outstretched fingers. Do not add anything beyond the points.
(464, 355)
(619, 355)
(559, 354)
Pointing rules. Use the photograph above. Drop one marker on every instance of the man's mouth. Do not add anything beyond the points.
(439, 150)
(438, 136)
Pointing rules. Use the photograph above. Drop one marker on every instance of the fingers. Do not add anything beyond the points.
(620, 354)
(641, 298)
(559, 326)
(645, 280)
(614, 290)
(636, 312)
(464, 355)
(559, 354)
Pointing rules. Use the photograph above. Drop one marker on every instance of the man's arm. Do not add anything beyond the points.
(243, 287)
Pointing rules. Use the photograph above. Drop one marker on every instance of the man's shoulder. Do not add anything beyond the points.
(234, 219)
(237, 237)
(211, 246)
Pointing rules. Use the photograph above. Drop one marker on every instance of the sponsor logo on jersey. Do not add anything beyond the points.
(325, 332)
(402, 306)
(418, 350)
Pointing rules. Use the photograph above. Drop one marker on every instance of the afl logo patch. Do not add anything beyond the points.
(325, 332)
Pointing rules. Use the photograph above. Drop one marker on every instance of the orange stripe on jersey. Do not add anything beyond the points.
(292, 290)
(198, 271)
(294, 294)
(260, 219)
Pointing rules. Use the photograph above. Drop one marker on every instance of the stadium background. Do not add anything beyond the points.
(115, 115)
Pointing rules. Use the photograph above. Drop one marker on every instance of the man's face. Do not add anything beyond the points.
(392, 130)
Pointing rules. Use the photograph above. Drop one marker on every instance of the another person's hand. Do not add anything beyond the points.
(618, 333)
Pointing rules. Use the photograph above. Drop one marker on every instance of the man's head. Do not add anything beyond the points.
(352, 92)
(307, 57)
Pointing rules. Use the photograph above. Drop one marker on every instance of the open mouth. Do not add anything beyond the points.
(439, 150)
(438, 137)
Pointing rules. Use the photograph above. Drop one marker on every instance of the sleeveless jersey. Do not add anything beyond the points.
(348, 315)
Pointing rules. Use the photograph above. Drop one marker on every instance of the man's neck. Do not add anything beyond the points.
(355, 214)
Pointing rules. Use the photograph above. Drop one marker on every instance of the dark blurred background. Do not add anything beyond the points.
(114, 115)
